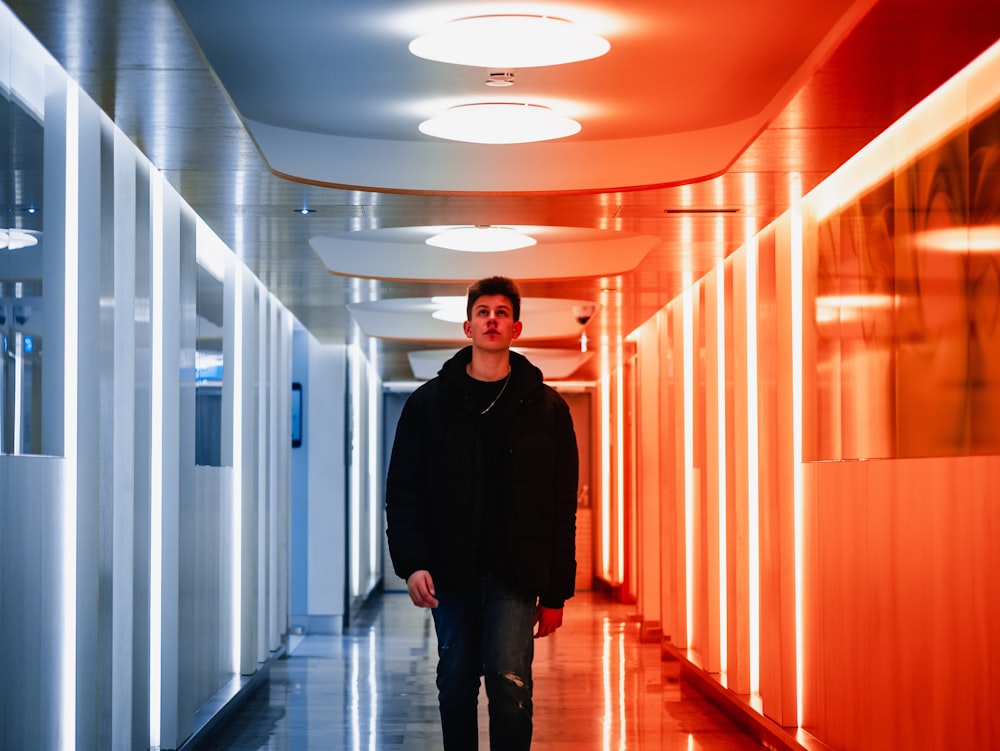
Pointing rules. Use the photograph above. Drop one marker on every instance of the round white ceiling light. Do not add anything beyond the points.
(481, 239)
(499, 123)
(509, 41)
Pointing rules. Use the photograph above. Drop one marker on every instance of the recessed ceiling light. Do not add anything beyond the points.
(509, 41)
(499, 123)
(481, 239)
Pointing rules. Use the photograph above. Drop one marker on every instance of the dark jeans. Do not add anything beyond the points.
(487, 632)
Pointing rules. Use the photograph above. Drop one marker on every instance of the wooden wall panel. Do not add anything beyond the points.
(903, 604)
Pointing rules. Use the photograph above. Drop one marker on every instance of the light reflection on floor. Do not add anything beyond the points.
(596, 687)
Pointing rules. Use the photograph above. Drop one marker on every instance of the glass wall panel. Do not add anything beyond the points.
(209, 369)
(21, 302)
(907, 284)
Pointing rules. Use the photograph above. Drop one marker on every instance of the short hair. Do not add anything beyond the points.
(494, 285)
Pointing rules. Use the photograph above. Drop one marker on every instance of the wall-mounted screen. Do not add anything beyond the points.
(296, 415)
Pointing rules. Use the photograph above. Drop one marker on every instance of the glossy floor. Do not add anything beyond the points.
(597, 687)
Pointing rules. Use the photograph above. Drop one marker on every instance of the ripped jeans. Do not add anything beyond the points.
(486, 632)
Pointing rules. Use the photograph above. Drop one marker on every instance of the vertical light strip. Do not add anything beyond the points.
(622, 722)
(374, 403)
(606, 683)
(605, 412)
(156, 459)
(753, 501)
(720, 339)
(620, 441)
(356, 496)
(796, 299)
(688, 302)
(67, 666)
(18, 394)
(236, 562)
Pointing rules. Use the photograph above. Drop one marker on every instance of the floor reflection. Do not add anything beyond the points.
(596, 687)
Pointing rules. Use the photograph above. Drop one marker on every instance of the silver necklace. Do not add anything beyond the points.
(497, 398)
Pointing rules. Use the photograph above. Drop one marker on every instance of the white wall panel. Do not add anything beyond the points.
(131, 579)
(33, 493)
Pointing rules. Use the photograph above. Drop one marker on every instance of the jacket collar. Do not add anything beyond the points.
(524, 376)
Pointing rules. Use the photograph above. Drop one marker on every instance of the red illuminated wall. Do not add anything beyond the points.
(825, 408)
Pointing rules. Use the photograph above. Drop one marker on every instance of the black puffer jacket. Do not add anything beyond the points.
(435, 493)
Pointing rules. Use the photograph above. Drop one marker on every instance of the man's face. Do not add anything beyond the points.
(492, 327)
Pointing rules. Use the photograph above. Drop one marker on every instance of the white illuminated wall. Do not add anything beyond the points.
(138, 592)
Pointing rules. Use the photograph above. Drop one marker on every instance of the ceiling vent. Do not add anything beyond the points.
(716, 210)
(500, 78)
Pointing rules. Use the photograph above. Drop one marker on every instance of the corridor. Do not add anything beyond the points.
(597, 687)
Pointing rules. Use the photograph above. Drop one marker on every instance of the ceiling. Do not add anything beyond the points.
(692, 126)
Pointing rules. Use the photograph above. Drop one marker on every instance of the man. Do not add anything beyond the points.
(481, 508)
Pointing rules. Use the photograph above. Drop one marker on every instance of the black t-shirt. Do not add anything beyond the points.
(488, 398)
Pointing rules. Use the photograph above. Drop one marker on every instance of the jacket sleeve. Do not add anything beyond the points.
(405, 492)
(566, 479)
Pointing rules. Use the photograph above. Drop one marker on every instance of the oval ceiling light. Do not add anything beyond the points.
(481, 239)
(499, 123)
(509, 41)
(450, 308)
(15, 239)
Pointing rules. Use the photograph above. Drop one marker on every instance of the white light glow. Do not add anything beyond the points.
(855, 302)
(687, 298)
(374, 392)
(509, 41)
(68, 604)
(357, 444)
(620, 444)
(850, 308)
(605, 407)
(500, 123)
(979, 239)
(156, 461)
(237, 510)
(720, 345)
(18, 386)
(797, 498)
(212, 255)
(753, 501)
(481, 239)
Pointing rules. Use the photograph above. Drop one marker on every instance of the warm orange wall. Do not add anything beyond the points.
(902, 603)
(824, 408)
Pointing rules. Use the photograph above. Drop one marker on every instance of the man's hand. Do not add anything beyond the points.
(547, 620)
(421, 589)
